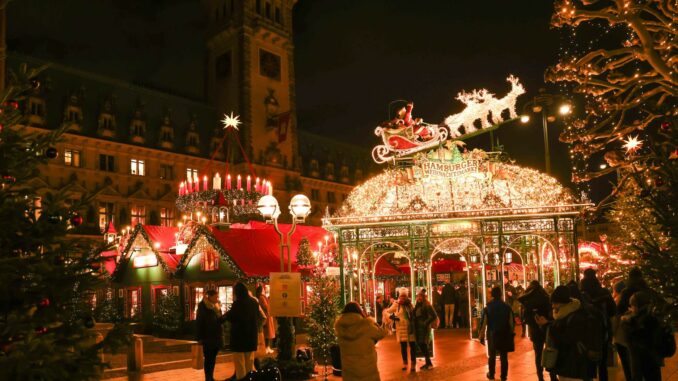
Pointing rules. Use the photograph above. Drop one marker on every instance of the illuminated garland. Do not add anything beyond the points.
(140, 238)
(196, 201)
(198, 246)
(494, 189)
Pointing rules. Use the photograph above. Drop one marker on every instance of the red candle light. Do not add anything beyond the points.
(239, 182)
(204, 183)
(249, 183)
(228, 181)
(256, 186)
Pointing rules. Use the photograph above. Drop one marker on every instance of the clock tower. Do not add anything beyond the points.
(250, 71)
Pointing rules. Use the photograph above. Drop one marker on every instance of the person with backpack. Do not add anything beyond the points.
(599, 298)
(571, 337)
(535, 301)
(498, 318)
(649, 339)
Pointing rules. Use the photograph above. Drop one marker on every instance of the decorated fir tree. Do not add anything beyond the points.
(47, 279)
(324, 308)
(167, 319)
(619, 56)
(304, 254)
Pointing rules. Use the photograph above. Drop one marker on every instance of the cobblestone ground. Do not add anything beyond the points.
(456, 358)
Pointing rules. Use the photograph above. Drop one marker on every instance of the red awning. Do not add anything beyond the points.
(385, 267)
(255, 247)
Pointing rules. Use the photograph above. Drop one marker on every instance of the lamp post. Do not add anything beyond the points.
(542, 104)
(300, 207)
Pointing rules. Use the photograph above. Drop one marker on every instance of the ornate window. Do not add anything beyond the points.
(71, 157)
(138, 214)
(166, 172)
(137, 167)
(106, 212)
(166, 216)
(107, 163)
(269, 63)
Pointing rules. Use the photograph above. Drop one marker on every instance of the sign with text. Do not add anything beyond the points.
(285, 298)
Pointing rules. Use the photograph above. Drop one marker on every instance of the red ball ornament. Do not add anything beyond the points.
(41, 330)
(76, 220)
(44, 303)
(51, 153)
(665, 126)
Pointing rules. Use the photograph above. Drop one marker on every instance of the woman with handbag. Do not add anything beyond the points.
(402, 314)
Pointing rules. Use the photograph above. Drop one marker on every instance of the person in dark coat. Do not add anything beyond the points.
(498, 318)
(424, 316)
(436, 301)
(245, 318)
(641, 329)
(592, 292)
(568, 328)
(535, 301)
(634, 283)
(209, 326)
(379, 309)
(449, 299)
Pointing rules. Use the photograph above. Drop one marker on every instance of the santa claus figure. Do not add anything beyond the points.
(405, 119)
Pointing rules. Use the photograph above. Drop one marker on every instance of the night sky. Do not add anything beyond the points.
(352, 56)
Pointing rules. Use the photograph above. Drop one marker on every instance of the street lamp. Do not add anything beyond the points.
(542, 103)
(300, 207)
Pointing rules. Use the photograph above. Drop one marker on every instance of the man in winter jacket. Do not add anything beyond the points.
(535, 301)
(593, 293)
(449, 299)
(641, 328)
(568, 332)
(208, 322)
(244, 317)
(424, 316)
(498, 318)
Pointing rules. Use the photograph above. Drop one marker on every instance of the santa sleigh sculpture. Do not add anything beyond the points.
(404, 136)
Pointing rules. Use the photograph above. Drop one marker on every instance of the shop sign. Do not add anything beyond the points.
(285, 297)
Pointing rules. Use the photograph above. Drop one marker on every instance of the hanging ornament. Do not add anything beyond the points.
(40, 330)
(76, 220)
(7, 179)
(51, 153)
(665, 126)
(44, 303)
(35, 83)
(89, 322)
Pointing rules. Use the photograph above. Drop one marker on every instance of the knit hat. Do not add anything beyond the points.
(561, 295)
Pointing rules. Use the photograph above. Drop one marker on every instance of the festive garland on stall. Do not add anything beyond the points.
(125, 258)
(202, 231)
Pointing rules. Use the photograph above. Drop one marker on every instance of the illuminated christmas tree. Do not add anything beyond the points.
(620, 57)
(167, 319)
(47, 278)
(304, 254)
(324, 308)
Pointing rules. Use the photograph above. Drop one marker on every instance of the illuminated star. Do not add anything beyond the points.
(231, 121)
(633, 144)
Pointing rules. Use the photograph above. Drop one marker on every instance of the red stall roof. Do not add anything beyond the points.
(255, 247)
(164, 235)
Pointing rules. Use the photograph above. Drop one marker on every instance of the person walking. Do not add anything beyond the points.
(601, 300)
(268, 326)
(357, 335)
(402, 313)
(498, 319)
(209, 331)
(449, 299)
(424, 316)
(436, 301)
(245, 318)
(634, 283)
(535, 301)
(567, 332)
(379, 309)
(642, 329)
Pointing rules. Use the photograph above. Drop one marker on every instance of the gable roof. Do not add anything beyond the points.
(152, 235)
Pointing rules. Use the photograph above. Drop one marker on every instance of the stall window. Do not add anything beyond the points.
(225, 298)
(197, 294)
(209, 260)
(133, 302)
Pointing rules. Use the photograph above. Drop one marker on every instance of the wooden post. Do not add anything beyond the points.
(197, 360)
(135, 355)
